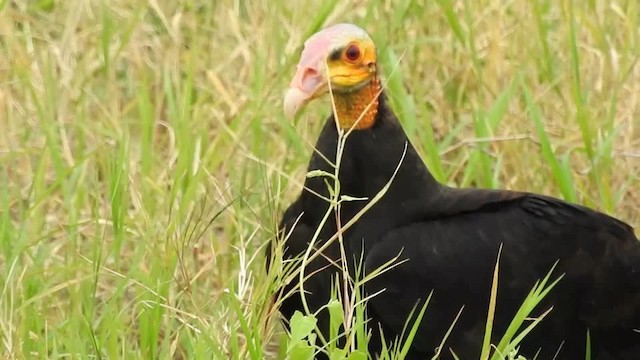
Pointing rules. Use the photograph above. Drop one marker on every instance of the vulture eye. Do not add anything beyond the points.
(352, 53)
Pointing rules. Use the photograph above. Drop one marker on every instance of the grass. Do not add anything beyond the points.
(145, 159)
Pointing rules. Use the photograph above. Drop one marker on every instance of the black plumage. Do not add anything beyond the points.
(450, 240)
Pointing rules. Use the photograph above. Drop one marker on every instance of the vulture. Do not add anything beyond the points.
(445, 241)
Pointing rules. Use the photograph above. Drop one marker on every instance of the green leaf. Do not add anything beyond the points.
(319, 173)
(486, 344)
(587, 355)
(357, 355)
(301, 326)
(338, 354)
(45, 5)
(336, 317)
(559, 169)
(448, 7)
(301, 351)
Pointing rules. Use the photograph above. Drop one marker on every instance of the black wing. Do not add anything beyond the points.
(455, 256)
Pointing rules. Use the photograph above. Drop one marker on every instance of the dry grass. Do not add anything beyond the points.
(145, 158)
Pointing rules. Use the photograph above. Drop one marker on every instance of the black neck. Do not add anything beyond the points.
(369, 160)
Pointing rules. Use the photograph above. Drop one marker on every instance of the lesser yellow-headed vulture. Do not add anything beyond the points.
(448, 238)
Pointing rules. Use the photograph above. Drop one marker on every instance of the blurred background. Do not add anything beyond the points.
(145, 159)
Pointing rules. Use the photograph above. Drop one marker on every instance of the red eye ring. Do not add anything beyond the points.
(352, 53)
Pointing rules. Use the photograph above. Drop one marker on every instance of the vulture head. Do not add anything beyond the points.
(340, 59)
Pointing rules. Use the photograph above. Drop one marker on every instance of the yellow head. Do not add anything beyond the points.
(342, 57)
